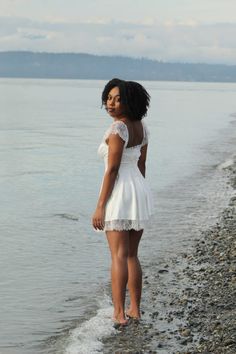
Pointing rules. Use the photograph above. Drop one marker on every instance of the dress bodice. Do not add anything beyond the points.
(130, 154)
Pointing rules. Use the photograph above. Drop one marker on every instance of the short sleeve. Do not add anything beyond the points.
(146, 134)
(121, 129)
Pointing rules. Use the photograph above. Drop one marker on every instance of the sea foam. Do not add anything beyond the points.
(87, 338)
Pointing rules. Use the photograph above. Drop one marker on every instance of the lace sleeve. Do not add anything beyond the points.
(121, 129)
(146, 134)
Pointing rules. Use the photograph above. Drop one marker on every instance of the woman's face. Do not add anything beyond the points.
(113, 104)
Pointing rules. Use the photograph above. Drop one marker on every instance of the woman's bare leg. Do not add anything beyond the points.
(119, 247)
(134, 274)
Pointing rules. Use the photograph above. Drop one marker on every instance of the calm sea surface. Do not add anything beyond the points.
(54, 269)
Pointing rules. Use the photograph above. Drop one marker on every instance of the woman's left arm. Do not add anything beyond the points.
(115, 150)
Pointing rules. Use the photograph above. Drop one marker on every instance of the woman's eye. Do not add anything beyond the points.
(109, 98)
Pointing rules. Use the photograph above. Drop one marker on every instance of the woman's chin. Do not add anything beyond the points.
(112, 115)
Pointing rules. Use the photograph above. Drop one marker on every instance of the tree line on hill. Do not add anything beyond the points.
(23, 64)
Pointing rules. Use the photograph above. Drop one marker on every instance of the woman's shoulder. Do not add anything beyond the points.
(146, 133)
(120, 128)
(119, 124)
(144, 124)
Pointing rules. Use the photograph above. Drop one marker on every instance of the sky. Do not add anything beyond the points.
(194, 31)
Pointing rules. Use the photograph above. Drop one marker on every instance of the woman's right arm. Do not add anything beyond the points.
(115, 151)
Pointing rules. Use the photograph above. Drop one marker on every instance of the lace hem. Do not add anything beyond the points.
(120, 225)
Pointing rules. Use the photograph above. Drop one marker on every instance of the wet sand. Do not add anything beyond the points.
(190, 299)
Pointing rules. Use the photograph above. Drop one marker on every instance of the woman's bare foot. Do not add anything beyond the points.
(120, 319)
(133, 314)
(119, 323)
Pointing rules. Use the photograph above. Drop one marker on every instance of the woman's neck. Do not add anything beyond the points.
(122, 118)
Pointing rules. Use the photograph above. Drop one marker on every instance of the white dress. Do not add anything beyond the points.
(130, 204)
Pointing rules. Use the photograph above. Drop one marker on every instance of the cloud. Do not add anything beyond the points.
(188, 41)
(33, 34)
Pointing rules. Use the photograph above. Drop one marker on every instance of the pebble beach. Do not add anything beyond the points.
(61, 267)
(189, 303)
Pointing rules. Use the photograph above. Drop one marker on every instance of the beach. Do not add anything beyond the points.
(189, 303)
(49, 181)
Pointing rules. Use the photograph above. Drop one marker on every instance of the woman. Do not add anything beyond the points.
(125, 203)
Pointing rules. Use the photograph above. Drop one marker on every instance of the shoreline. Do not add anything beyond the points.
(189, 303)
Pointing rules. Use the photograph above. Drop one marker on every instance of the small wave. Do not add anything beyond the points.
(87, 338)
(228, 163)
(67, 216)
(27, 173)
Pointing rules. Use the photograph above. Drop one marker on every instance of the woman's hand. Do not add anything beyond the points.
(98, 218)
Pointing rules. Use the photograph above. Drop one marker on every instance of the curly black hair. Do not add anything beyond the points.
(133, 96)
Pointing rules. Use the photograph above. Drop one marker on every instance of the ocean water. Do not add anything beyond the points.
(54, 269)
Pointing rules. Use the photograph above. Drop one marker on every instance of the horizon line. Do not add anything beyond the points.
(116, 56)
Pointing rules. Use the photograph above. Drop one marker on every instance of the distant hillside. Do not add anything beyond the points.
(85, 66)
